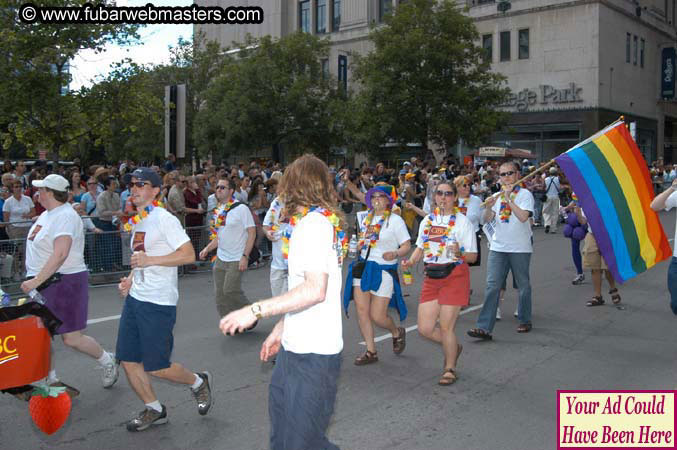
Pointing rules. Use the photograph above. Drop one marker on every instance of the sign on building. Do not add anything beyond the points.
(492, 151)
(668, 73)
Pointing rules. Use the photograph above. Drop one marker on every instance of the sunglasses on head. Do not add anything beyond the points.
(444, 193)
(507, 174)
(139, 184)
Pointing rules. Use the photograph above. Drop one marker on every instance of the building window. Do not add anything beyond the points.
(641, 53)
(384, 7)
(505, 45)
(325, 68)
(627, 47)
(488, 46)
(634, 50)
(321, 14)
(523, 41)
(336, 14)
(304, 16)
(343, 72)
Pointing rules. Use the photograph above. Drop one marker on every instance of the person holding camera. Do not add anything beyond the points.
(446, 243)
(372, 280)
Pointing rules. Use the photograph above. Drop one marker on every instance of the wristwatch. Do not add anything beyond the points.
(256, 310)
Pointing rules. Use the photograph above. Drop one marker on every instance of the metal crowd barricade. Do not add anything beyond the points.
(199, 237)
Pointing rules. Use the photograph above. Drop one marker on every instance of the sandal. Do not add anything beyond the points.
(615, 296)
(596, 301)
(400, 342)
(479, 334)
(367, 358)
(446, 380)
(524, 328)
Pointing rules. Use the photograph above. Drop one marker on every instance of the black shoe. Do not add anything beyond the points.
(547, 229)
(146, 418)
(203, 395)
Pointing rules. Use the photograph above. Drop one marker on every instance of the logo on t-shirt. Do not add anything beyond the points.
(35, 232)
(138, 243)
(436, 233)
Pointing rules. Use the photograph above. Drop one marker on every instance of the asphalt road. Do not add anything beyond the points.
(505, 397)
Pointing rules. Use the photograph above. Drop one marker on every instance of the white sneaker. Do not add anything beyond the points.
(498, 313)
(110, 373)
(517, 313)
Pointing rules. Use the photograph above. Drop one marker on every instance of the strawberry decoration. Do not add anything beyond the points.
(50, 408)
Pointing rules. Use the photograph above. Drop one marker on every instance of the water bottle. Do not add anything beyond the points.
(36, 296)
(450, 253)
(407, 277)
(139, 276)
(352, 247)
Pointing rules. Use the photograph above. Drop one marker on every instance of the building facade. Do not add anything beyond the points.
(573, 66)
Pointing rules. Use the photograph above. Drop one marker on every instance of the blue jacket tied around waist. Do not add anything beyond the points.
(371, 281)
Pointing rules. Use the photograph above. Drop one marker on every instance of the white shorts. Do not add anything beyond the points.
(385, 290)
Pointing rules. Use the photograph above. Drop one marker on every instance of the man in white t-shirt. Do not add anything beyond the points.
(234, 241)
(668, 200)
(274, 226)
(551, 205)
(510, 248)
(309, 337)
(145, 335)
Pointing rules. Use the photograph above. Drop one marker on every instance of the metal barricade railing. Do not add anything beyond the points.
(199, 237)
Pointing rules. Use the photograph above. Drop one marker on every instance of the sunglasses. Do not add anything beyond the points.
(507, 174)
(444, 193)
(139, 184)
(221, 187)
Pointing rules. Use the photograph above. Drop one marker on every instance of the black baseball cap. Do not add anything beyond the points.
(147, 174)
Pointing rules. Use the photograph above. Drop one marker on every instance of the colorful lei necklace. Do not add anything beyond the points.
(426, 235)
(339, 234)
(504, 211)
(462, 205)
(574, 198)
(134, 220)
(219, 219)
(373, 239)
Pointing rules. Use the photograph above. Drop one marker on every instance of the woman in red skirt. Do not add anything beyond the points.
(446, 242)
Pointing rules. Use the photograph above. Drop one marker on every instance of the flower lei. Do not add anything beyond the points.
(462, 205)
(574, 198)
(339, 234)
(219, 219)
(377, 229)
(134, 220)
(504, 211)
(426, 235)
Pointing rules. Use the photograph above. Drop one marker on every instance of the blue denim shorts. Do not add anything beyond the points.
(146, 334)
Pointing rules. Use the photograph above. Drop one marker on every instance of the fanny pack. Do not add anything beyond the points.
(358, 266)
(438, 271)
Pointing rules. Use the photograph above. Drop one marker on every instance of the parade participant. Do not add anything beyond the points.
(470, 206)
(55, 244)
(275, 224)
(145, 335)
(575, 232)
(446, 243)
(373, 281)
(667, 200)
(233, 232)
(551, 205)
(308, 340)
(510, 248)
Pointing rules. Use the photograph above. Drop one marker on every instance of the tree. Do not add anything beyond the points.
(426, 80)
(272, 93)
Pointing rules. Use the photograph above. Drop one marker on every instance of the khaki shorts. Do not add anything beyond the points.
(592, 258)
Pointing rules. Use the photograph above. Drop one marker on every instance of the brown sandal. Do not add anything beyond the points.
(367, 358)
(615, 296)
(596, 301)
(446, 380)
(400, 342)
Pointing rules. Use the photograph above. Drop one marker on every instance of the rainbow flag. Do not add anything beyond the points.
(611, 179)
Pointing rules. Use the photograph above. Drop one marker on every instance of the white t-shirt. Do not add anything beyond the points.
(273, 216)
(473, 205)
(60, 221)
(670, 203)
(552, 186)
(462, 232)
(233, 235)
(159, 234)
(514, 236)
(393, 234)
(18, 210)
(317, 329)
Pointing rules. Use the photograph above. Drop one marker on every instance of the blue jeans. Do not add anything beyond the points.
(301, 400)
(672, 284)
(498, 265)
(538, 208)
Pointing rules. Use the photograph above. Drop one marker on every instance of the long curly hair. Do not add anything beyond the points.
(306, 183)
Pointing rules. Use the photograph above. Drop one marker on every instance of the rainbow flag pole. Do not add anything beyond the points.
(611, 179)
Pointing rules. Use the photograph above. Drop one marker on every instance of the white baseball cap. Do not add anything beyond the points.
(53, 181)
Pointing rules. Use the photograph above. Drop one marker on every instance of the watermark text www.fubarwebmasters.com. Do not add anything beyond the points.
(148, 14)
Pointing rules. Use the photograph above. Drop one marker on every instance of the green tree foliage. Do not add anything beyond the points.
(271, 93)
(425, 81)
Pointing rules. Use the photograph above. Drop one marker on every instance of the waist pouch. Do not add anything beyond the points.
(358, 269)
(437, 271)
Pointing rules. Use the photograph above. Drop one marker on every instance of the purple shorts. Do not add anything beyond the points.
(68, 300)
